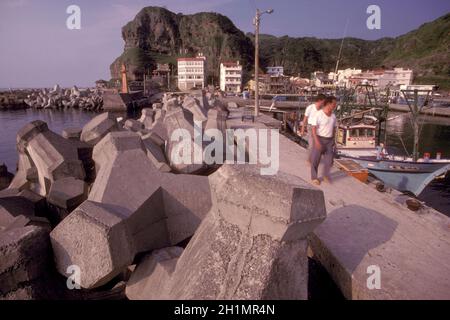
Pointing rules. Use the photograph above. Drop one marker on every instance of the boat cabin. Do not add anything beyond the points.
(361, 136)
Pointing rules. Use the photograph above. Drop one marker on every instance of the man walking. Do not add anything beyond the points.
(309, 115)
(323, 131)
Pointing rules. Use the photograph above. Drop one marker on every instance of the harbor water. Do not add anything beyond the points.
(435, 137)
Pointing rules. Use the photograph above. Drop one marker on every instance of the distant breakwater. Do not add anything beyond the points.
(55, 98)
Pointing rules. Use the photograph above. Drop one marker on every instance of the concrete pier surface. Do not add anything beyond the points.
(366, 230)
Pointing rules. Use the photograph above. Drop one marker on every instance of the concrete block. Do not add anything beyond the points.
(251, 245)
(67, 193)
(151, 210)
(72, 133)
(202, 97)
(53, 156)
(37, 202)
(187, 201)
(133, 125)
(5, 177)
(217, 119)
(193, 105)
(28, 132)
(158, 126)
(25, 256)
(171, 104)
(147, 117)
(152, 274)
(26, 175)
(95, 238)
(17, 210)
(175, 121)
(155, 138)
(99, 127)
(156, 154)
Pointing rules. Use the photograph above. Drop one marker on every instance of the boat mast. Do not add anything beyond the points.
(415, 108)
(340, 51)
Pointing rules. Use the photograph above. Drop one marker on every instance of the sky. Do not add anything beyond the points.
(38, 50)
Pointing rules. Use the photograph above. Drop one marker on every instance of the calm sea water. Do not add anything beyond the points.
(435, 137)
(12, 121)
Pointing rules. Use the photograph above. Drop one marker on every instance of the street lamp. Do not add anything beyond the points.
(256, 22)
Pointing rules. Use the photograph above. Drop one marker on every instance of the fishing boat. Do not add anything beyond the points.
(358, 139)
(357, 142)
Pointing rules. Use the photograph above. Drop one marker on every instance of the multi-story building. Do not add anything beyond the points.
(191, 73)
(275, 71)
(321, 80)
(342, 79)
(395, 78)
(366, 77)
(272, 84)
(382, 79)
(231, 77)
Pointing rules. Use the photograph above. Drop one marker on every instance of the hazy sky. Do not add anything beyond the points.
(38, 50)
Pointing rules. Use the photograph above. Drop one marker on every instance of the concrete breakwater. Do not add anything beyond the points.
(103, 204)
(58, 98)
(13, 100)
(112, 212)
(55, 98)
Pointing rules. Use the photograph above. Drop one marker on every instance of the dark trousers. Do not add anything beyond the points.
(327, 153)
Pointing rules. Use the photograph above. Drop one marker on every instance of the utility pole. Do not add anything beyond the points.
(257, 22)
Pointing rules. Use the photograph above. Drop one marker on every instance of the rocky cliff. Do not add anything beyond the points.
(158, 35)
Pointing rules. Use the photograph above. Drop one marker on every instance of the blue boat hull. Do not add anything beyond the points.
(403, 176)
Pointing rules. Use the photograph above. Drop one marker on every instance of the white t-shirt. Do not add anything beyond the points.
(310, 112)
(324, 124)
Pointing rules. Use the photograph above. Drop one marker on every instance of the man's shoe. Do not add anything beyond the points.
(327, 180)
(316, 182)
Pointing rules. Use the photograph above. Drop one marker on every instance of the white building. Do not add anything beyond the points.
(321, 80)
(343, 76)
(231, 77)
(396, 77)
(275, 71)
(191, 73)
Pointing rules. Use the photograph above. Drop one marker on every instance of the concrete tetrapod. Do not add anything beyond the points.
(53, 156)
(251, 245)
(99, 127)
(132, 208)
(180, 128)
(24, 261)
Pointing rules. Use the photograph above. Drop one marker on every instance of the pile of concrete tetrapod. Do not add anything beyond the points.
(103, 208)
(58, 98)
